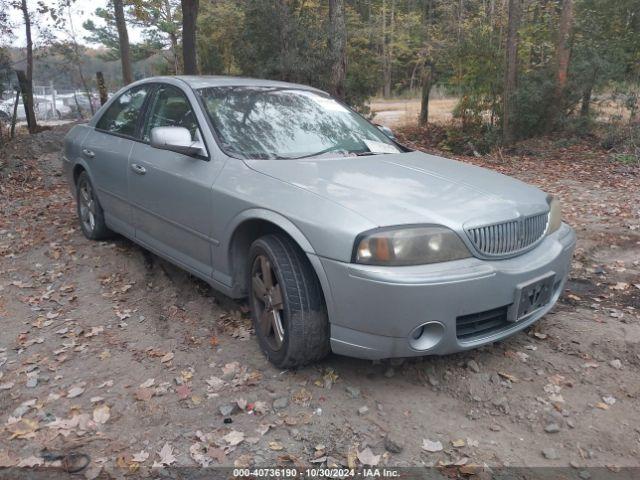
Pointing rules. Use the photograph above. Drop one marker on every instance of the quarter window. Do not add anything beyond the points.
(122, 116)
(171, 108)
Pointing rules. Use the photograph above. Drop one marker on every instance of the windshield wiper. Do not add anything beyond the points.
(364, 154)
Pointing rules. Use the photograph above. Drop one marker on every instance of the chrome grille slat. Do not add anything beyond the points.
(510, 237)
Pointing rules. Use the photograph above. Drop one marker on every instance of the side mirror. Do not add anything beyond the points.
(176, 139)
(387, 131)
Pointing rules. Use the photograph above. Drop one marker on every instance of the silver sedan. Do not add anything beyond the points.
(342, 239)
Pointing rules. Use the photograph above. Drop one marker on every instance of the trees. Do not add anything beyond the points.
(123, 40)
(189, 28)
(25, 79)
(161, 21)
(511, 72)
(337, 48)
(517, 68)
(562, 63)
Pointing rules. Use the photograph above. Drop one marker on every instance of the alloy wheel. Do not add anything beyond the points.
(87, 206)
(267, 302)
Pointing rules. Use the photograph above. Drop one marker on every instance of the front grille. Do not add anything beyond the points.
(508, 238)
(479, 325)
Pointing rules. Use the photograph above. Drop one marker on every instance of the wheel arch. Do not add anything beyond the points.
(78, 168)
(254, 223)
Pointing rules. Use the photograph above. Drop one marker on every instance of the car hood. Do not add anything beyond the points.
(410, 188)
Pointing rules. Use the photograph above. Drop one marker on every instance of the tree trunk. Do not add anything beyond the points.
(387, 49)
(427, 83)
(511, 71)
(102, 88)
(75, 99)
(26, 88)
(123, 39)
(174, 52)
(14, 117)
(338, 48)
(586, 101)
(189, 18)
(26, 83)
(563, 51)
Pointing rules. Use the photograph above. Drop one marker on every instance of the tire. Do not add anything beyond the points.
(89, 210)
(294, 299)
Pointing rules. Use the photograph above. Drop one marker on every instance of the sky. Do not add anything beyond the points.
(81, 10)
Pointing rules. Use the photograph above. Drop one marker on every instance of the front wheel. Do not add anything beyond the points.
(287, 306)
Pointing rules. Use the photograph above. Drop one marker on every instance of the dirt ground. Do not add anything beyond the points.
(109, 351)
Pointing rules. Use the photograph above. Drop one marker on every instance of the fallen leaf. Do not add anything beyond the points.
(140, 457)
(243, 461)
(367, 457)
(75, 392)
(263, 428)
(302, 397)
(148, 383)
(431, 446)
(101, 414)
(183, 391)
(30, 462)
(234, 437)
(144, 394)
(6, 460)
(470, 469)
(166, 456)
(508, 376)
(24, 428)
(215, 383)
(167, 357)
(198, 452)
(217, 454)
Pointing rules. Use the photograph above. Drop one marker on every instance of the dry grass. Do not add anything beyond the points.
(396, 112)
(401, 112)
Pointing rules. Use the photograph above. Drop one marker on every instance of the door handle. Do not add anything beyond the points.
(139, 169)
(88, 153)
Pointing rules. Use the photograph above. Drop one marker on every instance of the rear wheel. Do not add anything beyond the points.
(90, 212)
(289, 314)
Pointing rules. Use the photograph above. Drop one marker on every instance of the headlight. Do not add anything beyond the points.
(555, 215)
(409, 246)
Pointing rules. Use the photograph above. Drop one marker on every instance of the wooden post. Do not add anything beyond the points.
(75, 99)
(27, 100)
(15, 114)
(102, 88)
(54, 103)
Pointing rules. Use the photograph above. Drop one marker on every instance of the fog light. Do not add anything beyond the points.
(426, 336)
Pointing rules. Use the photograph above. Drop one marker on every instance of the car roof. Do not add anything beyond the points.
(204, 81)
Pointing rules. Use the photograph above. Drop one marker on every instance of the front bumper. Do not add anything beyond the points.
(375, 310)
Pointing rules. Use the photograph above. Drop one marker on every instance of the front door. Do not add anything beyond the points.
(106, 151)
(171, 193)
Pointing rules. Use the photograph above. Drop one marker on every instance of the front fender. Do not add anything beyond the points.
(294, 232)
(272, 217)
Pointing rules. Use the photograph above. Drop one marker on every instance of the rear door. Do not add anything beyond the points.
(170, 192)
(106, 152)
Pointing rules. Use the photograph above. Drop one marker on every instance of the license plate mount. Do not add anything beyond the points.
(532, 296)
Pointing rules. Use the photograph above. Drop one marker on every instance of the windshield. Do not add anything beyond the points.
(277, 123)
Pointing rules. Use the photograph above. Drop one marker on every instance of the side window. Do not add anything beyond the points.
(171, 108)
(122, 116)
